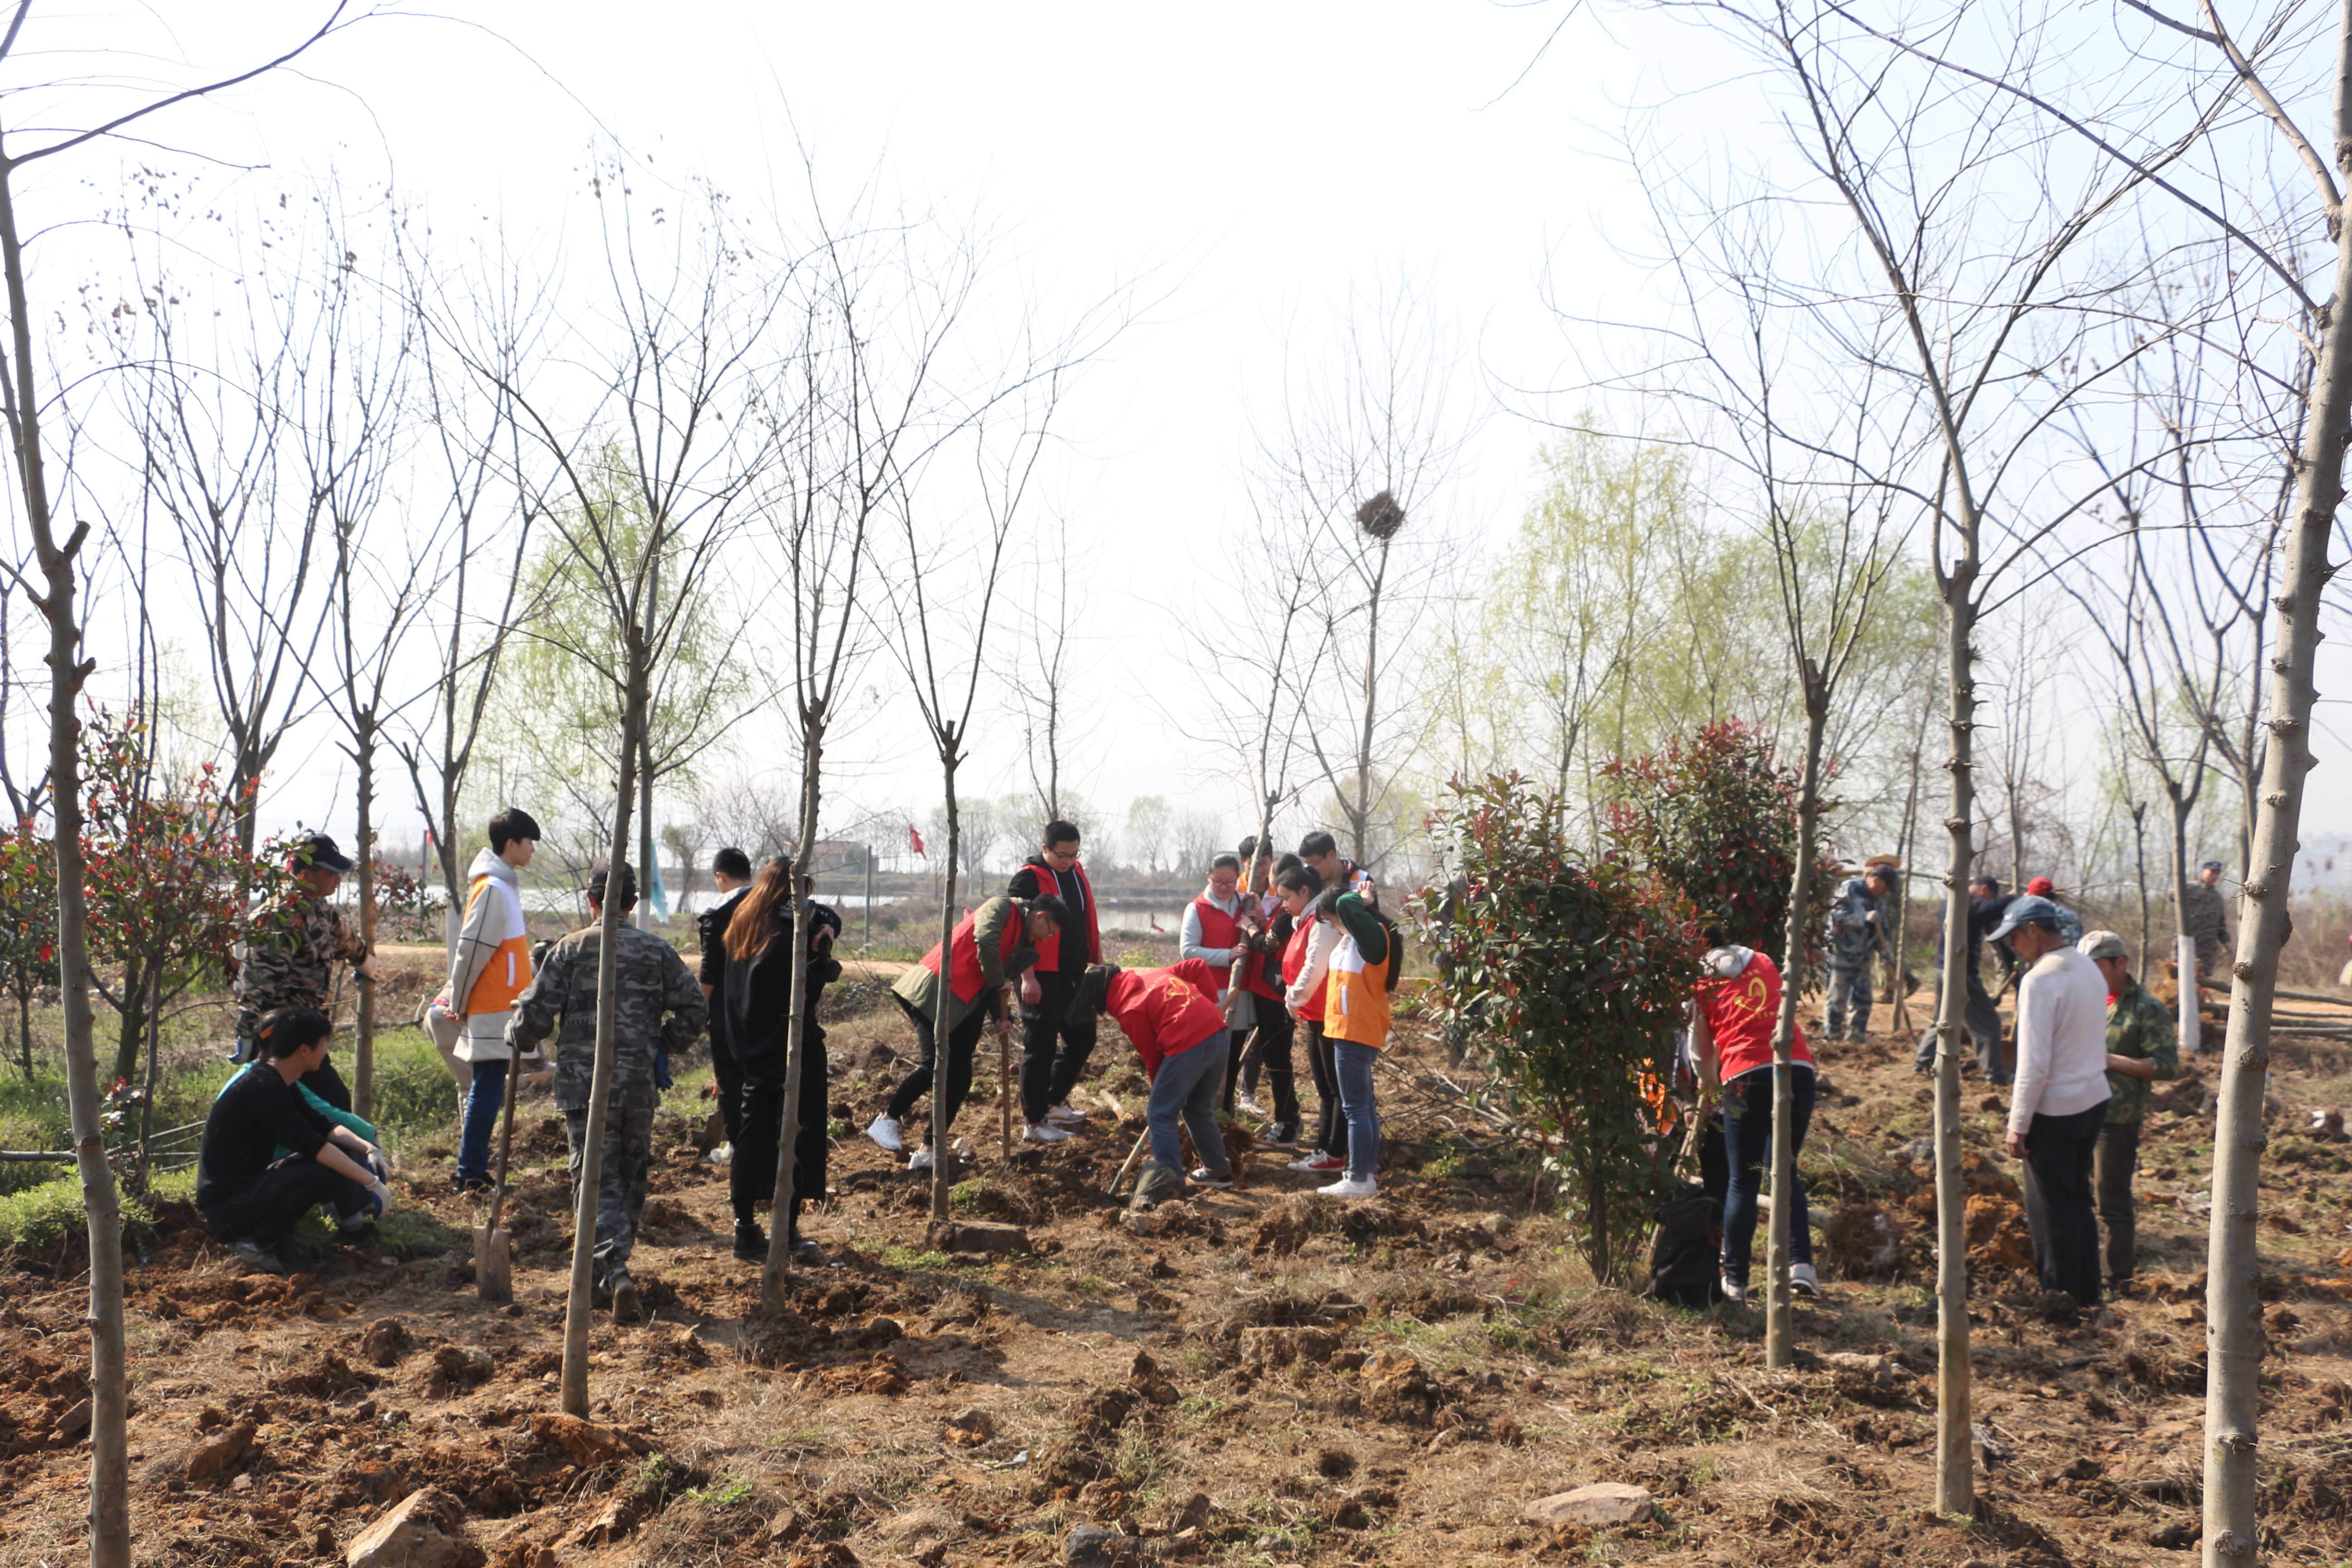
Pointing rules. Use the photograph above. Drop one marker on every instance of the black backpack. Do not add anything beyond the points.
(1686, 1251)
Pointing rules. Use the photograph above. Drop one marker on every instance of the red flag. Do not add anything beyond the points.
(917, 840)
(1156, 925)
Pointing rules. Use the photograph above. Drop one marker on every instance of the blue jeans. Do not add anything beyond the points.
(1352, 1065)
(483, 1102)
(1187, 1086)
(1747, 1147)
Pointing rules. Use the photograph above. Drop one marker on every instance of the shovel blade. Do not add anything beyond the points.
(493, 1276)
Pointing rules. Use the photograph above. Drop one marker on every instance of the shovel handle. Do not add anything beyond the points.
(506, 1141)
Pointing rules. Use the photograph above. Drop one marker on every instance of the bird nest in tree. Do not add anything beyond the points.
(1380, 517)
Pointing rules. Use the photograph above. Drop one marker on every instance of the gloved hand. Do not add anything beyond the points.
(377, 1160)
(383, 1196)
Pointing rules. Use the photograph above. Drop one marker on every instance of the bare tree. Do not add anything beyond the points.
(1977, 306)
(484, 503)
(1362, 448)
(653, 480)
(56, 558)
(2210, 70)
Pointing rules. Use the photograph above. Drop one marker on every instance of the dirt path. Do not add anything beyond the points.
(1383, 1383)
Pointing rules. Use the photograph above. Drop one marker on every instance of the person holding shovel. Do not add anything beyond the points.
(762, 947)
(989, 951)
(1171, 1018)
(488, 969)
(657, 1004)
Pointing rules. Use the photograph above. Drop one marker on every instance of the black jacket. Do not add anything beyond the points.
(758, 994)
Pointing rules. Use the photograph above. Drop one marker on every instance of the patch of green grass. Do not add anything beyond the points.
(727, 1495)
(1199, 1409)
(966, 1195)
(1091, 1285)
(909, 1260)
(39, 1217)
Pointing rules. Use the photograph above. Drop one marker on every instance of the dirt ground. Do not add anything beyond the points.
(1261, 1378)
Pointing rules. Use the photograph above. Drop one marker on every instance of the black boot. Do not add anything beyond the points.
(751, 1241)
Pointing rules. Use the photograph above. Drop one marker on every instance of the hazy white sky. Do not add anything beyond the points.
(1263, 159)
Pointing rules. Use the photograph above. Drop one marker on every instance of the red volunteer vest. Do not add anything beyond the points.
(1260, 974)
(1218, 931)
(1294, 964)
(963, 968)
(1743, 1011)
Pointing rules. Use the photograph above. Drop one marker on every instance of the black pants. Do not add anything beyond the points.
(1330, 1120)
(1052, 1054)
(275, 1202)
(2117, 1162)
(1982, 1020)
(728, 1074)
(2060, 1152)
(751, 1178)
(1268, 1052)
(961, 1040)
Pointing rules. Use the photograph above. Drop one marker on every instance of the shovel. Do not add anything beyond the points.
(493, 1273)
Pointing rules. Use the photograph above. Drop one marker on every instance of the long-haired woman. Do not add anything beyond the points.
(762, 946)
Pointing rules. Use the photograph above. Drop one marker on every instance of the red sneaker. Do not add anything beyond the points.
(1319, 1163)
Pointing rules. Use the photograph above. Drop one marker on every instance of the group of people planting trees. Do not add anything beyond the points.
(1281, 954)
(1302, 947)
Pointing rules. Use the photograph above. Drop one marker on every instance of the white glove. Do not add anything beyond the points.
(383, 1196)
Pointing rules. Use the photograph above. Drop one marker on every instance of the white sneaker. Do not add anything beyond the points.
(1064, 1115)
(1346, 1187)
(1737, 1294)
(723, 1155)
(885, 1134)
(1248, 1102)
(921, 1161)
(1802, 1281)
(1041, 1133)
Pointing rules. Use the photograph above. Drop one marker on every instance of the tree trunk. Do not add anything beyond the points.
(128, 1020)
(363, 1047)
(773, 1299)
(1955, 1477)
(578, 1306)
(2139, 854)
(939, 1140)
(2233, 1333)
(110, 1462)
(1780, 1327)
(24, 1028)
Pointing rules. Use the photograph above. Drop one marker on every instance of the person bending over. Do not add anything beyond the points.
(989, 950)
(269, 1156)
(1736, 1009)
(1180, 1032)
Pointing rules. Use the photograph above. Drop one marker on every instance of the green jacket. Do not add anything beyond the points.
(2138, 1027)
(985, 929)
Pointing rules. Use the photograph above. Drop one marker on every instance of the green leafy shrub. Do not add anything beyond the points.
(1576, 972)
(1715, 818)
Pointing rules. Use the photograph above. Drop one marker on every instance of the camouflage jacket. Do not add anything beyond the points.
(2138, 1027)
(1853, 929)
(2203, 913)
(291, 945)
(659, 1005)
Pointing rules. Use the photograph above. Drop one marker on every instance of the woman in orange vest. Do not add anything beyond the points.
(1356, 1022)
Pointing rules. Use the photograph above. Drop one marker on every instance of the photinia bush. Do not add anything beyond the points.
(1575, 973)
(28, 927)
(1716, 818)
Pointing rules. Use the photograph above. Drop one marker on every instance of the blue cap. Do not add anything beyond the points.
(2032, 907)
